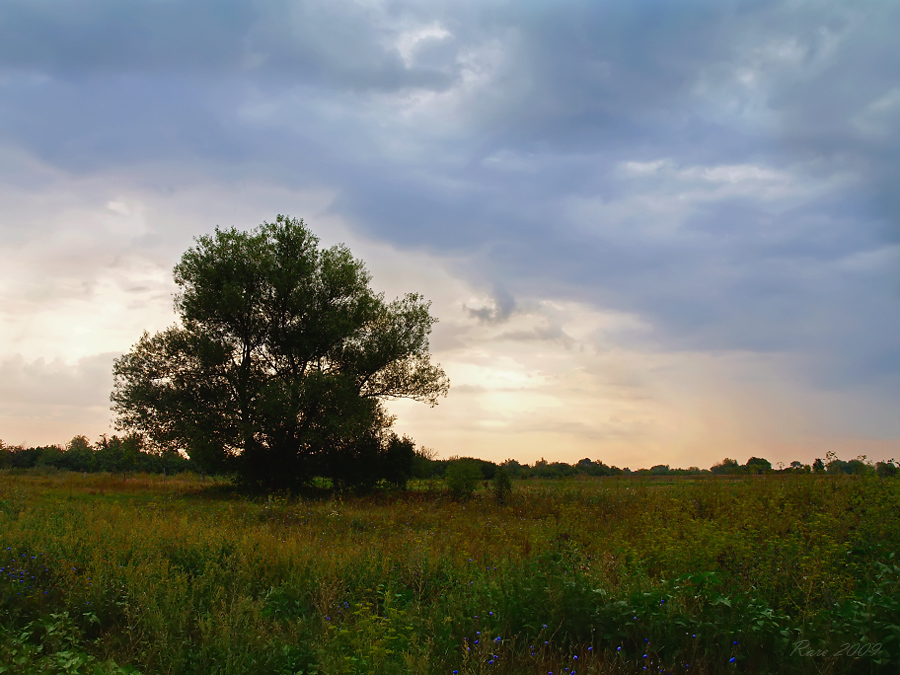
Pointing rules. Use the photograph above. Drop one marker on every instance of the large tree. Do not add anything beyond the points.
(281, 362)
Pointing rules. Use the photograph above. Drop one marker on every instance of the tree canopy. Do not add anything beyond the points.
(281, 362)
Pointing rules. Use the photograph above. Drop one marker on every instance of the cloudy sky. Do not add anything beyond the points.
(653, 231)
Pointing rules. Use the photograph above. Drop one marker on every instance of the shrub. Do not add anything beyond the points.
(462, 478)
(501, 485)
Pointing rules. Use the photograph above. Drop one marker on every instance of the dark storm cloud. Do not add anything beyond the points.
(336, 44)
(610, 84)
(104, 36)
(90, 125)
(522, 171)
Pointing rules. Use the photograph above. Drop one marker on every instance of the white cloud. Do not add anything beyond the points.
(409, 42)
(476, 88)
(653, 168)
(747, 174)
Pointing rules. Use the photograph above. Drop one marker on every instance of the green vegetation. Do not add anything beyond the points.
(110, 454)
(773, 573)
(279, 365)
(501, 485)
(462, 478)
(399, 461)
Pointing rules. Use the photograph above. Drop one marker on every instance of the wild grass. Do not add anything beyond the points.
(102, 574)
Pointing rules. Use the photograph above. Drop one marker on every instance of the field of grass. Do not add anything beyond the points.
(612, 575)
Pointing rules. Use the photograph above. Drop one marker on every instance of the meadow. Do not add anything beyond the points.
(103, 573)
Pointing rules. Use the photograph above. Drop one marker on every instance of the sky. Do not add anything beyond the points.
(653, 231)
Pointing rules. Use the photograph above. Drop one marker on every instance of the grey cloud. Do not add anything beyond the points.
(585, 86)
(43, 385)
(499, 311)
(102, 36)
(338, 45)
(737, 274)
(333, 44)
(548, 332)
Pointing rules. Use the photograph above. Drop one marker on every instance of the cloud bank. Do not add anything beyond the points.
(652, 231)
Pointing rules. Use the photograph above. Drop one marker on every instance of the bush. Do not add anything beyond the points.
(501, 485)
(462, 478)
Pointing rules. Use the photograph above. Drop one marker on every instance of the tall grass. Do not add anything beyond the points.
(763, 574)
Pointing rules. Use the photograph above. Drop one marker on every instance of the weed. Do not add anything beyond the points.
(612, 575)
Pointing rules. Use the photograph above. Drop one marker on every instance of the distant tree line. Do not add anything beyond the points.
(831, 465)
(110, 454)
(426, 466)
(131, 453)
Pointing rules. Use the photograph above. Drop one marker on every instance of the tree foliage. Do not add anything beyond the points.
(462, 477)
(281, 362)
(501, 485)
